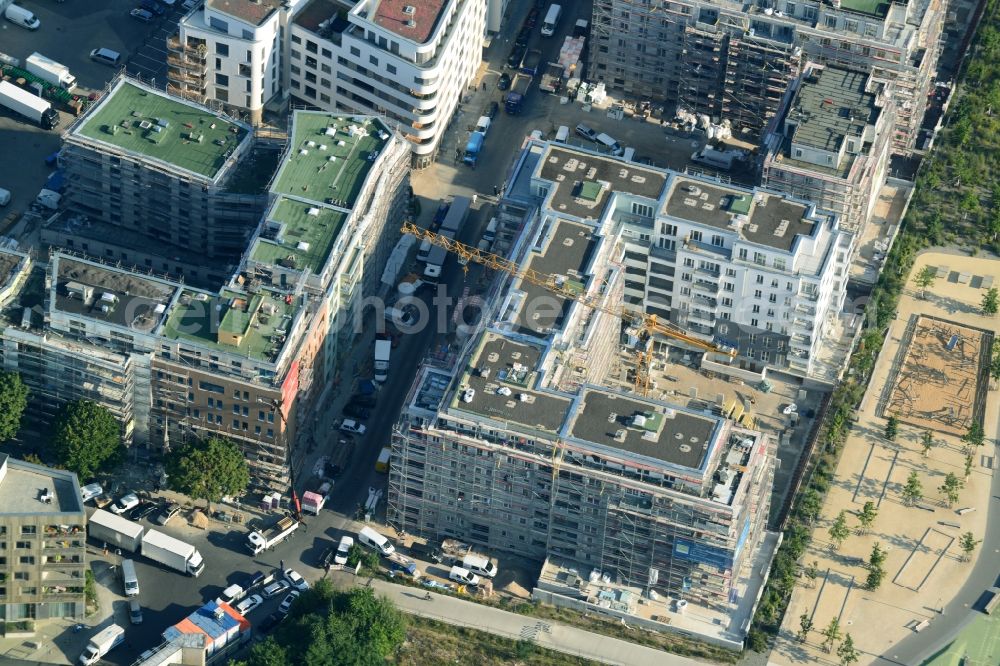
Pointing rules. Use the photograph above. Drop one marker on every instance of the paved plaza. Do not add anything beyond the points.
(923, 567)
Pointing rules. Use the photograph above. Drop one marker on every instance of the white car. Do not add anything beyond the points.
(468, 394)
(353, 427)
(295, 580)
(344, 549)
(125, 503)
(248, 604)
(275, 588)
(90, 491)
(286, 603)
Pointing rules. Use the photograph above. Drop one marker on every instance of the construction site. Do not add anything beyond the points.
(943, 379)
(571, 426)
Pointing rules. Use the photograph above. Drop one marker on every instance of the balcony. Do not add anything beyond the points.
(706, 287)
(702, 299)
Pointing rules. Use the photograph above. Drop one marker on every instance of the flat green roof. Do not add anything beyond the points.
(148, 123)
(327, 161)
(262, 319)
(310, 231)
(877, 8)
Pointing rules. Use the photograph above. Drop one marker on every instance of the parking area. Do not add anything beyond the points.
(69, 32)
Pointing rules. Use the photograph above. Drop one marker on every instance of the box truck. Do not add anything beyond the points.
(551, 20)
(101, 644)
(383, 349)
(172, 553)
(49, 70)
(26, 104)
(115, 531)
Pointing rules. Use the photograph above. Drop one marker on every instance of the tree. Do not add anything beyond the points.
(990, 302)
(876, 572)
(839, 530)
(13, 400)
(974, 437)
(208, 469)
(809, 506)
(891, 428)
(968, 464)
(968, 542)
(913, 491)
(925, 279)
(366, 556)
(265, 653)
(866, 517)
(87, 438)
(805, 626)
(831, 634)
(950, 488)
(811, 572)
(927, 442)
(847, 652)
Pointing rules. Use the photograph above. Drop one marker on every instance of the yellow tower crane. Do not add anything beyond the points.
(646, 324)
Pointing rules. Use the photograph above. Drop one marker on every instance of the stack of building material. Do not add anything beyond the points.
(569, 55)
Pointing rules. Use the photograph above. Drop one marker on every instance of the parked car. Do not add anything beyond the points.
(143, 510)
(90, 491)
(286, 603)
(253, 580)
(134, 611)
(275, 588)
(532, 18)
(503, 82)
(363, 400)
(523, 36)
(167, 513)
(142, 15)
(152, 6)
(517, 55)
(344, 549)
(188, 5)
(124, 503)
(356, 411)
(492, 110)
(249, 604)
(586, 132)
(326, 559)
(270, 622)
(353, 427)
(296, 580)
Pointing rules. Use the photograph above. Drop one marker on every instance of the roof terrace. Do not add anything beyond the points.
(306, 235)
(411, 19)
(584, 182)
(765, 219)
(151, 125)
(251, 325)
(329, 157)
(26, 488)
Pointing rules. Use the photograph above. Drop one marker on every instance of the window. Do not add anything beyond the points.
(750, 352)
(831, 21)
(774, 284)
(790, 8)
(779, 264)
(28, 530)
(373, 60)
(727, 302)
(696, 236)
(236, 409)
(870, 30)
(221, 26)
(390, 68)
(730, 272)
(221, 80)
(757, 293)
(214, 388)
(743, 253)
(247, 34)
(221, 49)
(668, 229)
(755, 309)
(770, 312)
(760, 279)
(772, 299)
(689, 262)
(717, 240)
(236, 423)
(642, 209)
(765, 355)
(355, 51)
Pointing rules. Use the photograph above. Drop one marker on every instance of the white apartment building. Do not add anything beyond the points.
(408, 61)
(760, 272)
(230, 51)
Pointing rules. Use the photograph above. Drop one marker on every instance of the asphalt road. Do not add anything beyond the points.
(985, 573)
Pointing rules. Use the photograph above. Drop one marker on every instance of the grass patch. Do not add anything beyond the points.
(432, 642)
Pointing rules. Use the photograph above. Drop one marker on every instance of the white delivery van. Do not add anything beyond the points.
(129, 578)
(463, 576)
(424, 251)
(102, 643)
(369, 537)
(562, 134)
(4, 197)
(20, 16)
(609, 143)
(629, 154)
(479, 564)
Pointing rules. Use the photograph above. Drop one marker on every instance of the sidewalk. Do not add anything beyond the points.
(553, 636)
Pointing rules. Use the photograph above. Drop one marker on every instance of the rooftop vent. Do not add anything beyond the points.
(410, 23)
(409, 10)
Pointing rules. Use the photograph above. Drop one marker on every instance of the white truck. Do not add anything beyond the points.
(172, 553)
(383, 349)
(26, 104)
(49, 70)
(714, 158)
(483, 125)
(258, 541)
(101, 644)
(115, 531)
